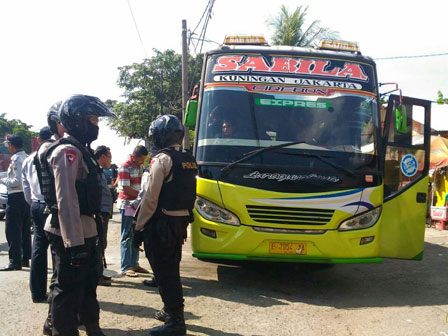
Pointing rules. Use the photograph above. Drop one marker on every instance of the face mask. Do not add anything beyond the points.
(91, 132)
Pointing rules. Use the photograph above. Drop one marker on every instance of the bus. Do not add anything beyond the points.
(298, 162)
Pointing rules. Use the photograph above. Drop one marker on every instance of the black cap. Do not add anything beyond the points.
(45, 133)
(15, 140)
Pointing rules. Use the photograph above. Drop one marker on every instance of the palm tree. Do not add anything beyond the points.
(290, 29)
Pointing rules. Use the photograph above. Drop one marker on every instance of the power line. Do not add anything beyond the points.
(208, 10)
(200, 20)
(206, 40)
(415, 56)
(136, 28)
(207, 19)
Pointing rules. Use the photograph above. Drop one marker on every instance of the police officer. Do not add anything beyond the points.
(33, 196)
(163, 217)
(18, 220)
(71, 187)
(57, 130)
(54, 121)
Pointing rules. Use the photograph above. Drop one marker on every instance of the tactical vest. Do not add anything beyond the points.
(36, 161)
(87, 189)
(180, 192)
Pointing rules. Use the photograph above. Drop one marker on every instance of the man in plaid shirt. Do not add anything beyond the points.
(129, 181)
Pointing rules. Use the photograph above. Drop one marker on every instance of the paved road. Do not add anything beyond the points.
(392, 298)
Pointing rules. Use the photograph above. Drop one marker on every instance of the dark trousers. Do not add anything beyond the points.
(39, 264)
(18, 228)
(73, 296)
(163, 248)
(102, 242)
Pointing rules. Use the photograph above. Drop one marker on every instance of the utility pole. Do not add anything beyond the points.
(161, 92)
(186, 142)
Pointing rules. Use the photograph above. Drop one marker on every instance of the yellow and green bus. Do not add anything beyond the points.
(297, 161)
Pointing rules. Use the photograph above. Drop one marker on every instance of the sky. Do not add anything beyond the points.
(50, 49)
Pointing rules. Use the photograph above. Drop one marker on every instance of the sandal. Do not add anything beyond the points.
(130, 273)
(139, 269)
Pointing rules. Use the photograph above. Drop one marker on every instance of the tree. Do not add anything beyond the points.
(441, 100)
(15, 126)
(151, 88)
(290, 29)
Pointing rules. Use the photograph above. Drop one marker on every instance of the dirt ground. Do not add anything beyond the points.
(393, 298)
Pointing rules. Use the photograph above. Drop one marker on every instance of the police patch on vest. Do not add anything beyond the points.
(189, 165)
(70, 155)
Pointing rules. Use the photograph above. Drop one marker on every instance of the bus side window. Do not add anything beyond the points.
(405, 154)
(401, 137)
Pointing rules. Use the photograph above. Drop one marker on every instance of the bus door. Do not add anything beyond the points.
(406, 148)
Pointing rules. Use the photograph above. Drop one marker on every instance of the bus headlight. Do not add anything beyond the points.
(215, 213)
(362, 221)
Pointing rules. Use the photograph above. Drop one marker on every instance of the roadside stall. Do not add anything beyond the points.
(439, 182)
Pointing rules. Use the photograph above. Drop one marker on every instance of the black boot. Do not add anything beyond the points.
(48, 327)
(174, 325)
(161, 315)
(151, 283)
(94, 330)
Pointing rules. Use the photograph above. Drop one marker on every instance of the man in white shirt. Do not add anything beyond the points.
(18, 222)
(34, 197)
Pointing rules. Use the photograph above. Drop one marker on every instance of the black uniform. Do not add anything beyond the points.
(73, 193)
(164, 214)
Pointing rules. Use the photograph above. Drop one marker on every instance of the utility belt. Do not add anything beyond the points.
(54, 222)
(158, 214)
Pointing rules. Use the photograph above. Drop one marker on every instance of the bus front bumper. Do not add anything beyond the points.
(244, 243)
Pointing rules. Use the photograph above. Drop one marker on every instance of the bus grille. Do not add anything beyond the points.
(289, 215)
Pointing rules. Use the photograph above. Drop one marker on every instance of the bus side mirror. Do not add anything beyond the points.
(401, 119)
(190, 113)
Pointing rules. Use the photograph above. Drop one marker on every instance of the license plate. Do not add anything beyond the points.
(287, 248)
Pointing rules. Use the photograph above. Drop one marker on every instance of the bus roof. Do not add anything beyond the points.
(290, 50)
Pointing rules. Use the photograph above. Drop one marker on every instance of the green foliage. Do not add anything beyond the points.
(192, 135)
(290, 29)
(151, 88)
(15, 126)
(441, 100)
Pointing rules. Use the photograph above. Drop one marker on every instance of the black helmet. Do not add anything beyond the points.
(166, 130)
(53, 117)
(74, 112)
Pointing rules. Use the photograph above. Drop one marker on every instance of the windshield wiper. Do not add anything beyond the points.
(329, 162)
(255, 152)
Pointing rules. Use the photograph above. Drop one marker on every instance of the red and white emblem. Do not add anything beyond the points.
(70, 155)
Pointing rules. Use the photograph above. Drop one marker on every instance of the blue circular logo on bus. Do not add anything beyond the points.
(409, 165)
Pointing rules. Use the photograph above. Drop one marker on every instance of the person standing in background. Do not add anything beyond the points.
(104, 157)
(18, 221)
(129, 182)
(34, 197)
(136, 204)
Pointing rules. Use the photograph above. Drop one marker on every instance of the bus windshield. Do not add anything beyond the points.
(234, 121)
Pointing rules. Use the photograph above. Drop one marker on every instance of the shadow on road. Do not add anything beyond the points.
(192, 328)
(136, 310)
(118, 332)
(125, 283)
(128, 309)
(392, 283)
(147, 312)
